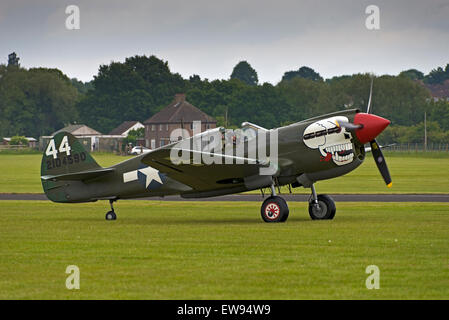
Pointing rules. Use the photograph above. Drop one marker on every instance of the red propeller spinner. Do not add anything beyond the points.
(371, 126)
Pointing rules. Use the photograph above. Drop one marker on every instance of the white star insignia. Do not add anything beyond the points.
(151, 174)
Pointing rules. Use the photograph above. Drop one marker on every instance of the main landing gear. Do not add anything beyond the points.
(275, 208)
(321, 207)
(111, 214)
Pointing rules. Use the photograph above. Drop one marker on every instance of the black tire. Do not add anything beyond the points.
(111, 215)
(326, 209)
(274, 209)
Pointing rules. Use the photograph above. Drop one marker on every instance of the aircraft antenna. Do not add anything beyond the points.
(370, 94)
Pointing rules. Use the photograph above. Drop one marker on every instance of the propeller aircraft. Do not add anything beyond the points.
(305, 152)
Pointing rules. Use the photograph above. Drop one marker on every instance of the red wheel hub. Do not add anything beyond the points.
(272, 211)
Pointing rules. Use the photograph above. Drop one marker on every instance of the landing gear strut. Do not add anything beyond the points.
(111, 214)
(274, 208)
(321, 207)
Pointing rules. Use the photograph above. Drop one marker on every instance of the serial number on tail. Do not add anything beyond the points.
(69, 160)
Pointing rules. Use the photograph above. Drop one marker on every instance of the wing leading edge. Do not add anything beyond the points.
(229, 172)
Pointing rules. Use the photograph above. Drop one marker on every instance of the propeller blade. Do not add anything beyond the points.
(349, 126)
(380, 162)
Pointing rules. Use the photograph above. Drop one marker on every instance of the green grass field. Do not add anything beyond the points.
(411, 173)
(20, 173)
(210, 250)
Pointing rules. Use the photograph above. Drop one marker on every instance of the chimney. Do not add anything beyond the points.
(180, 97)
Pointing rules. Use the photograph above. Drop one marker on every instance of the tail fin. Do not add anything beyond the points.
(64, 159)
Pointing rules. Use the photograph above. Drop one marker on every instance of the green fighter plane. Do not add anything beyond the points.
(219, 162)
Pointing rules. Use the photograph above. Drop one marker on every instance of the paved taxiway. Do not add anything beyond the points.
(287, 197)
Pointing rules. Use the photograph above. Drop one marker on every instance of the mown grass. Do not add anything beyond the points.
(210, 250)
(411, 173)
(20, 173)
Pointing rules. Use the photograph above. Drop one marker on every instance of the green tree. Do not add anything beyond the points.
(437, 76)
(39, 101)
(244, 72)
(412, 74)
(18, 140)
(35, 102)
(399, 99)
(415, 134)
(133, 135)
(135, 89)
(303, 72)
(439, 112)
(82, 87)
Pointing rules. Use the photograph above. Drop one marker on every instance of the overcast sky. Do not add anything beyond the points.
(208, 37)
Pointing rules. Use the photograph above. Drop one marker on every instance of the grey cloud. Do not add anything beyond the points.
(209, 37)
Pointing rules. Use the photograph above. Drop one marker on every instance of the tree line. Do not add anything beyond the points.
(39, 101)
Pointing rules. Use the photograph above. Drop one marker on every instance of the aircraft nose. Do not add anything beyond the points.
(372, 126)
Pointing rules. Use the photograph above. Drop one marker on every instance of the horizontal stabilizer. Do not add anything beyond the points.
(78, 176)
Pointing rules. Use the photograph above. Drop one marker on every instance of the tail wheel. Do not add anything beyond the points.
(111, 215)
(324, 209)
(274, 209)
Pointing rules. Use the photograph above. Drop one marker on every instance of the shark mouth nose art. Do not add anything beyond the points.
(340, 152)
(333, 143)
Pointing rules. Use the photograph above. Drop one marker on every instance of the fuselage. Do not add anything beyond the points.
(327, 152)
(307, 151)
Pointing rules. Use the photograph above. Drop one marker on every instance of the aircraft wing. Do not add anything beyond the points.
(203, 176)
